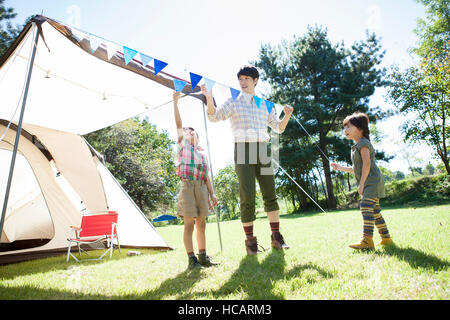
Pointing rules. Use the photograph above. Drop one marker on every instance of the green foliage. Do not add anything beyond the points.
(142, 160)
(423, 91)
(8, 32)
(226, 186)
(434, 30)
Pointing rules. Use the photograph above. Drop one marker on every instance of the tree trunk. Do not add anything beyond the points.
(321, 183)
(331, 200)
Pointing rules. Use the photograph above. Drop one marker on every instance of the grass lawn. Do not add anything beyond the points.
(319, 264)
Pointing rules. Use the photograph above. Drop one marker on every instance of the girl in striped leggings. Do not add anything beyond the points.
(369, 178)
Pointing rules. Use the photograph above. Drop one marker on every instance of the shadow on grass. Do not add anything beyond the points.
(58, 262)
(256, 280)
(252, 280)
(415, 258)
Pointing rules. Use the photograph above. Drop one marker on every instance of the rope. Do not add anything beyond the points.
(298, 185)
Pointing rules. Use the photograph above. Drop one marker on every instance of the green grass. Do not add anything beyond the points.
(319, 264)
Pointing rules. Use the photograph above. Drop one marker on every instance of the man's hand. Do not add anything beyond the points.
(288, 110)
(206, 93)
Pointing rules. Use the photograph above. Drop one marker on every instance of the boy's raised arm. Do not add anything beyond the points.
(179, 123)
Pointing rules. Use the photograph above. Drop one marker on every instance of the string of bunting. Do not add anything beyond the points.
(158, 65)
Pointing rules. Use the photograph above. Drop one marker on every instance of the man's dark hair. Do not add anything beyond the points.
(248, 71)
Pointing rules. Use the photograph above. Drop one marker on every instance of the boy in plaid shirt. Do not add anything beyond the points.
(196, 195)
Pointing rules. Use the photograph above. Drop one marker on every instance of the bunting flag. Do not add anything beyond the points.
(258, 101)
(128, 54)
(94, 42)
(234, 93)
(209, 83)
(111, 49)
(269, 105)
(79, 36)
(195, 79)
(145, 59)
(179, 84)
(159, 65)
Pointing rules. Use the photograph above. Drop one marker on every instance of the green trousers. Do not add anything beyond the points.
(253, 162)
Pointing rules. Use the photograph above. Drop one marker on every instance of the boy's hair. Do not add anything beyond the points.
(192, 129)
(248, 71)
(361, 121)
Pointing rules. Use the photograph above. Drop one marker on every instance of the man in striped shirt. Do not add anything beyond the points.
(249, 128)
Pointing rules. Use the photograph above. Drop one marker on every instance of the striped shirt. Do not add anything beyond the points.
(248, 122)
(192, 163)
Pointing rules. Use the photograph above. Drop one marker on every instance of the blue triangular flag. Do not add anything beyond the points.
(128, 54)
(195, 79)
(234, 93)
(145, 59)
(179, 84)
(258, 101)
(159, 65)
(269, 105)
(209, 83)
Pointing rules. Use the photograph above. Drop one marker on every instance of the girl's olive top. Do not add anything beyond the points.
(374, 185)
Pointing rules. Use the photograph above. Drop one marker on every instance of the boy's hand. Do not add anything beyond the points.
(176, 96)
(212, 201)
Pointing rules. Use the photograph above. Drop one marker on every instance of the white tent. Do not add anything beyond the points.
(58, 177)
(73, 88)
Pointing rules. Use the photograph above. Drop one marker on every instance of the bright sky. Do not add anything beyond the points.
(215, 38)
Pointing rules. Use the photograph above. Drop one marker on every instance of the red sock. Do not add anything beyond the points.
(275, 226)
(248, 231)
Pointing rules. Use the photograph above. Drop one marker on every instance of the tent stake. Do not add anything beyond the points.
(19, 129)
(212, 175)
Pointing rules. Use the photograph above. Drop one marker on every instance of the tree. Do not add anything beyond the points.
(429, 169)
(423, 91)
(434, 31)
(226, 187)
(324, 83)
(8, 33)
(141, 159)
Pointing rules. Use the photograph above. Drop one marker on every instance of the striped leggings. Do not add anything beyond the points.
(371, 213)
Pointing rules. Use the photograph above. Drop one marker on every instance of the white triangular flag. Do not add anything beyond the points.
(94, 41)
(78, 35)
(111, 48)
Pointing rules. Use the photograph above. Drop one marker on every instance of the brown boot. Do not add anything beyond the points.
(251, 245)
(278, 241)
(366, 243)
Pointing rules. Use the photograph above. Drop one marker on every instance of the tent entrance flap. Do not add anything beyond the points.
(28, 221)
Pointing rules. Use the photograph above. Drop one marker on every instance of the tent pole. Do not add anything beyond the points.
(19, 129)
(212, 175)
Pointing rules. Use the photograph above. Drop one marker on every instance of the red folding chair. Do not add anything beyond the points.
(95, 228)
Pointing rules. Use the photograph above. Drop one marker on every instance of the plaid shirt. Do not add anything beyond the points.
(248, 122)
(192, 163)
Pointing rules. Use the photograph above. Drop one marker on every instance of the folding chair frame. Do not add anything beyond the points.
(75, 238)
